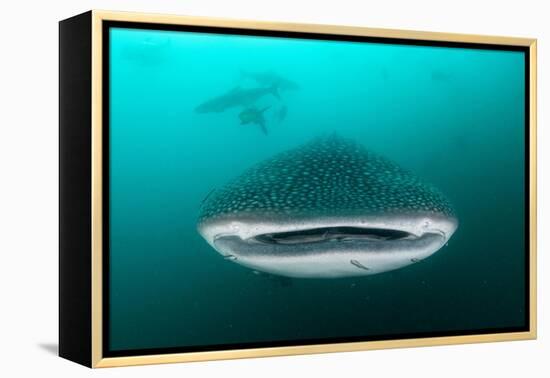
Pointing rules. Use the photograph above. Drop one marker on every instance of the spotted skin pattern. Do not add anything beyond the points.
(328, 176)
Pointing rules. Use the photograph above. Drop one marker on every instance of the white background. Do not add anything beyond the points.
(29, 189)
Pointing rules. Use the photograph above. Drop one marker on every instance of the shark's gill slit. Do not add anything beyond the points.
(323, 234)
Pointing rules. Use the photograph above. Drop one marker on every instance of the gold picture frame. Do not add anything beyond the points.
(96, 19)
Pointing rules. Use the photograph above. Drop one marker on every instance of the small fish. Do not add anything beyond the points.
(358, 264)
(255, 116)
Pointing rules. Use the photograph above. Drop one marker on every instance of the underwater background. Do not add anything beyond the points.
(453, 116)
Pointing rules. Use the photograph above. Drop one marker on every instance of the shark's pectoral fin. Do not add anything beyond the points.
(275, 91)
(263, 127)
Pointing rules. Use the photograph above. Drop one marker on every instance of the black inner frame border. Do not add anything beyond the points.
(107, 25)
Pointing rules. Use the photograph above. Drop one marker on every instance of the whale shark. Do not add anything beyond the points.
(327, 209)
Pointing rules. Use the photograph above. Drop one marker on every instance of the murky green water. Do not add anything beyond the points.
(453, 116)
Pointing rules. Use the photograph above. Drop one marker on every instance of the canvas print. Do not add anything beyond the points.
(270, 190)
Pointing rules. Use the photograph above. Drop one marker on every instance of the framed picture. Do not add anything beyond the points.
(236, 189)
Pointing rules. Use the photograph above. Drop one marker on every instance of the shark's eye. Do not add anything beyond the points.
(324, 234)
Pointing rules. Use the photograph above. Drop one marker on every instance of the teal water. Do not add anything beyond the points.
(453, 116)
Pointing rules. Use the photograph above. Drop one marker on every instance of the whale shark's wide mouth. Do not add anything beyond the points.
(332, 234)
(330, 247)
